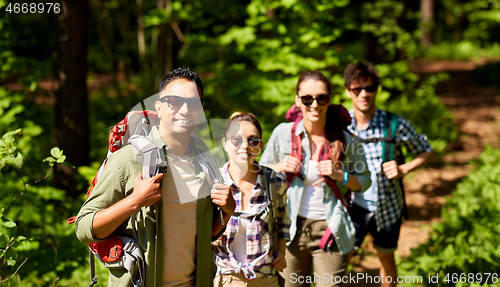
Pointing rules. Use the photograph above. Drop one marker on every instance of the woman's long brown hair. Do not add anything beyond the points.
(334, 134)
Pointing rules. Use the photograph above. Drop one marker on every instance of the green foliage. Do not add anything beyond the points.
(466, 30)
(8, 148)
(32, 209)
(414, 98)
(463, 51)
(9, 240)
(468, 238)
(383, 20)
(57, 157)
(9, 248)
(35, 240)
(249, 54)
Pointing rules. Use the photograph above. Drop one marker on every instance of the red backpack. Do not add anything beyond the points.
(135, 126)
(134, 123)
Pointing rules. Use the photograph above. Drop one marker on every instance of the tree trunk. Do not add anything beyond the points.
(141, 39)
(71, 128)
(169, 42)
(426, 21)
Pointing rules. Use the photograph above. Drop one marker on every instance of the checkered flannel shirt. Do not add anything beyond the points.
(389, 196)
(259, 240)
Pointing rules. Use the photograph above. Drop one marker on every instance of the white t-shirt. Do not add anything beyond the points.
(239, 245)
(179, 221)
(311, 204)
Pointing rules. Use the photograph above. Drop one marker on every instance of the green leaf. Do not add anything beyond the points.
(19, 160)
(33, 86)
(55, 152)
(9, 224)
(68, 165)
(61, 159)
(11, 262)
(12, 133)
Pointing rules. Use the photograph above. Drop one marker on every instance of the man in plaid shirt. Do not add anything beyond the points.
(378, 210)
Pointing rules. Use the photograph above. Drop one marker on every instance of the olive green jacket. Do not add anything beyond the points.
(115, 183)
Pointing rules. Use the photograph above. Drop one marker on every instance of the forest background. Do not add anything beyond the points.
(67, 77)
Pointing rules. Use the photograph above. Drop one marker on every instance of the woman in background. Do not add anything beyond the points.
(322, 161)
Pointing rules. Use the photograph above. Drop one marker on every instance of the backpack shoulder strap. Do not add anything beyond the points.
(150, 155)
(390, 127)
(209, 166)
(270, 178)
(206, 160)
(272, 194)
(295, 149)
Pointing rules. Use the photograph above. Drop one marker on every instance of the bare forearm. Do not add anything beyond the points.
(106, 221)
(419, 161)
(353, 182)
(282, 246)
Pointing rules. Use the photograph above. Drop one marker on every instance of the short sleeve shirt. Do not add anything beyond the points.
(384, 196)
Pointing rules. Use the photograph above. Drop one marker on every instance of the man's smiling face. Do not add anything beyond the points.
(184, 118)
(364, 101)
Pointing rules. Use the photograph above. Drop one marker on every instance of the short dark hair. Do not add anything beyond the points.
(182, 73)
(313, 75)
(360, 72)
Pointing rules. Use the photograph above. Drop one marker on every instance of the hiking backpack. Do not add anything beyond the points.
(119, 251)
(388, 150)
(270, 180)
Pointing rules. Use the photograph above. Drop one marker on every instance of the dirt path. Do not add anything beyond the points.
(477, 115)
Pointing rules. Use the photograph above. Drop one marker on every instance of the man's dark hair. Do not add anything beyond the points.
(182, 73)
(360, 72)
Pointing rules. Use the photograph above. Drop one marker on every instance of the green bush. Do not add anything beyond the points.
(37, 246)
(468, 239)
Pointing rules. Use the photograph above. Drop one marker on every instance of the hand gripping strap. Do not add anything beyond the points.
(209, 167)
(327, 238)
(150, 154)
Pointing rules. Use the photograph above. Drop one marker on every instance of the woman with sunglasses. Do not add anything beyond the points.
(244, 253)
(322, 161)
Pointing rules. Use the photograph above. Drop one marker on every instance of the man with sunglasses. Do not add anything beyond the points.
(378, 210)
(178, 212)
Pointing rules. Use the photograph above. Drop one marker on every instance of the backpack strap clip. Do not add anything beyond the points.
(150, 154)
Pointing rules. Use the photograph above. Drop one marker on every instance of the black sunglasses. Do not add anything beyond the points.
(369, 89)
(253, 141)
(321, 99)
(176, 102)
